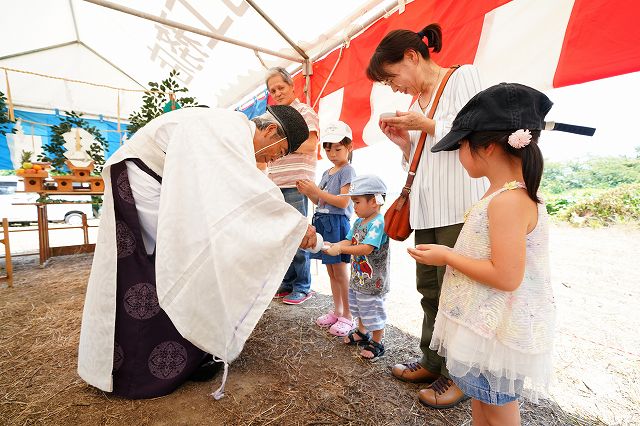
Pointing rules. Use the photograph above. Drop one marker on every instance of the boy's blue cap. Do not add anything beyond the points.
(366, 185)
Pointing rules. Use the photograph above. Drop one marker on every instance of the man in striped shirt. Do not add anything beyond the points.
(284, 172)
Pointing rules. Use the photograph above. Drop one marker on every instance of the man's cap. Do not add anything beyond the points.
(293, 124)
(505, 106)
(366, 185)
(335, 132)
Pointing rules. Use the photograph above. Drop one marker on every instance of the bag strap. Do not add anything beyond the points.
(406, 189)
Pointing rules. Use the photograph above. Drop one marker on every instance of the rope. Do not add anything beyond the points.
(82, 82)
(219, 393)
(118, 115)
(24, 120)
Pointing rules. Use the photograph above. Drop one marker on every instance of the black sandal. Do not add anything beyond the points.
(377, 349)
(365, 338)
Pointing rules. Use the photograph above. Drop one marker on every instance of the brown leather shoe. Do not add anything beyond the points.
(442, 393)
(413, 372)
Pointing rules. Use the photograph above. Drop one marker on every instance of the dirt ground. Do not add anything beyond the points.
(291, 373)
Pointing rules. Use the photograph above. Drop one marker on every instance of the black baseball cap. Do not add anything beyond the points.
(505, 106)
(293, 124)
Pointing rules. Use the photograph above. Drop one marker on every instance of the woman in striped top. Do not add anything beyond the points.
(442, 190)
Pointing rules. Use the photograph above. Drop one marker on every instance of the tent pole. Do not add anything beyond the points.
(278, 29)
(75, 23)
(307, 70)
(174, 24)
(387, 9)
(112, 64)
(41, 49)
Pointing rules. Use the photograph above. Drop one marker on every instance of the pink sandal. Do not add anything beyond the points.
(342, 327)
(327, 320)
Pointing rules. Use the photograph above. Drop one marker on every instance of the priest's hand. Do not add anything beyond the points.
(309, 240)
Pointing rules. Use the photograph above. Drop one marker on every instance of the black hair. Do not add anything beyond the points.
(530, 155)
(393, 46)
(346, 142)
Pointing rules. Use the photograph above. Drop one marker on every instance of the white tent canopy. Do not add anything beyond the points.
(79, 40)
(126, 44)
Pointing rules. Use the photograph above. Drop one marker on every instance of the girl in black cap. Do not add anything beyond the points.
(496, 315)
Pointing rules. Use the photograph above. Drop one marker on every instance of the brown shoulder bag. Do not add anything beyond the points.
(396, 219)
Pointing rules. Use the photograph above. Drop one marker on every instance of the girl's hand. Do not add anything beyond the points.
(409, 120)
(334, 250)
(430, 254)
(307, 187)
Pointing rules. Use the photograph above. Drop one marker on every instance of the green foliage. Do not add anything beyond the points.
(155, 99)
(597, 192)
(617, 205)
(596, 173)
(4, 116)
(54, 150)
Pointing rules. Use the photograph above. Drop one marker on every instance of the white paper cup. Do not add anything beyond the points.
(387, 115)
(319, 244)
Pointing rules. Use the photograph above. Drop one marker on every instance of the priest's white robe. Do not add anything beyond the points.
(225, 237)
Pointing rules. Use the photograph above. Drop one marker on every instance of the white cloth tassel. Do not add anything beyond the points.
(219, 393)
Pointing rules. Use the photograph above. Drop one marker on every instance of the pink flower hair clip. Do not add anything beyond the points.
(520, 138)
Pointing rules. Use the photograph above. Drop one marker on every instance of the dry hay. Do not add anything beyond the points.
(290, 373)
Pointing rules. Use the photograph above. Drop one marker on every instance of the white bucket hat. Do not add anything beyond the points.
(335, 132)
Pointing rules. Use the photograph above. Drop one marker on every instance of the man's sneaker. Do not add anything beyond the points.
(281, 292)
(297, 297)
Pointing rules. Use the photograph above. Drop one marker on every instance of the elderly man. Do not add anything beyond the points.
(193, 243)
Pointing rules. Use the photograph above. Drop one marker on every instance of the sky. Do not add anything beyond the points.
(610, 105)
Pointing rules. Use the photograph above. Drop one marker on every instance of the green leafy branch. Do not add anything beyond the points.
(155, 99)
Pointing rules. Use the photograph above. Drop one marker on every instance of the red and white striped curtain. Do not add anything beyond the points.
(541, 43)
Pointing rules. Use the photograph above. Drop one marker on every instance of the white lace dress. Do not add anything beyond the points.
(506, 336)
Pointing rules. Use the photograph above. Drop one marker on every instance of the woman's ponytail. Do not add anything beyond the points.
(433, 34)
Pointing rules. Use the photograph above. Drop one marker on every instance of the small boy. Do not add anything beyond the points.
(368, 246)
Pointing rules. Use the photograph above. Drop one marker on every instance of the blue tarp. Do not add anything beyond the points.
(113, 137)
(251, 109)
(256, 107)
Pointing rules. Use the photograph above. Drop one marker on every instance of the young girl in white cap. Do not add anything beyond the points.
(496, 316)
(368, 246)
(332, 220)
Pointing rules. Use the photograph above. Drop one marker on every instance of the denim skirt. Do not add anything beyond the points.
(478, 388)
